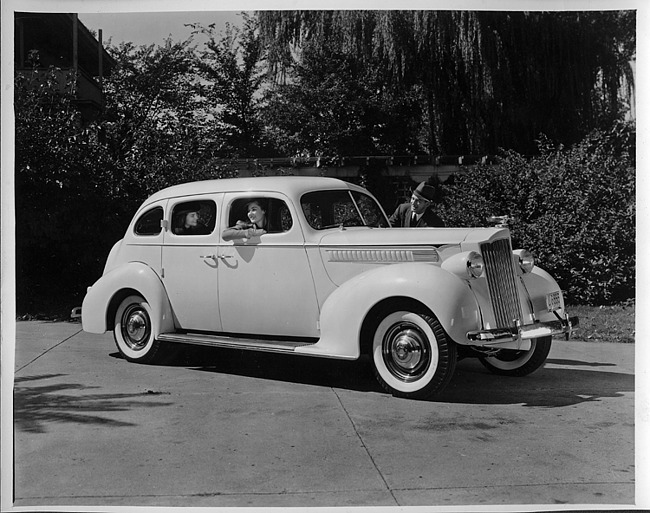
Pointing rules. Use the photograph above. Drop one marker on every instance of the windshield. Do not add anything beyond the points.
(329, 209)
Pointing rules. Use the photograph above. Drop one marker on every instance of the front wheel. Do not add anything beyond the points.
(507, 362)
(412, 356)
(133, 330)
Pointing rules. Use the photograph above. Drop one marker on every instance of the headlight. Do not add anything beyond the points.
(526, 260)
(475, 264)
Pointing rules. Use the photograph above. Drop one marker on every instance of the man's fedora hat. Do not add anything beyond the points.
(425, 191)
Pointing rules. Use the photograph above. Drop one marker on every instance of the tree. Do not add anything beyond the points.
(78, 185)
(232, 79)
(488, 79)
(156, 130)
(57, 200)
(334, 107)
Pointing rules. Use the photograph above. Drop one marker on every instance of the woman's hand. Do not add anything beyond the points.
(254, 232)
(239, 232)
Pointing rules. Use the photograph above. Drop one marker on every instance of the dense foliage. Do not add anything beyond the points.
(485, 79)
(156, 131)
(78, 183)
(231, 76)
(343, 108)
(57, 200)
(575, 208)
(332, 84)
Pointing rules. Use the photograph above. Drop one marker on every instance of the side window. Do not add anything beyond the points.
(328, 209)
(276, 215)
(149, 222)
(370, 211)
(196, 217)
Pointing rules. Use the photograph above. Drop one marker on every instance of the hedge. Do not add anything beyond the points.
(574, 208)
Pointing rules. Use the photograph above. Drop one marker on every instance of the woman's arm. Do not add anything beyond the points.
(241, 230)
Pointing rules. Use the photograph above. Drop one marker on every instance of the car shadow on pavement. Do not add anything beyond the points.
(547, 387)
(352, 375)
(471, 384)
(38, 404)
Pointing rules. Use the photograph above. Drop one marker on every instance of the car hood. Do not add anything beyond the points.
(365, 248)
(411, 236)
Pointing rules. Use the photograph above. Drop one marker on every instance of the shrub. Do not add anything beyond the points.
(574, 208)
(78, 183)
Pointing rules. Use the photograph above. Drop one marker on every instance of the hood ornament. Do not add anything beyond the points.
(500, 221)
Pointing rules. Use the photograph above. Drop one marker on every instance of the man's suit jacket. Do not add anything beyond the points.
(402, 218)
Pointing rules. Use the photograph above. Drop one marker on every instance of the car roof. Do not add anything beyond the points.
(292, 186)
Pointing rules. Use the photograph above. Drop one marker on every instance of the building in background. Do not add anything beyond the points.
(60, 41)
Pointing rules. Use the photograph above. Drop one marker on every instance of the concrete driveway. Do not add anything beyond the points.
(225, 428)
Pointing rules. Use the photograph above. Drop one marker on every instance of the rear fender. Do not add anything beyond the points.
(342, 317)
(104, 296)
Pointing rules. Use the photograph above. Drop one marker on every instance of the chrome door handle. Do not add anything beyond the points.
(225, 257)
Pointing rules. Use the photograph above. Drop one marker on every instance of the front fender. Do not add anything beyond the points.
(538, 284)
(135, 276)
(448, 297)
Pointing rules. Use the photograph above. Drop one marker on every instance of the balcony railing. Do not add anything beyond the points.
(87, 91)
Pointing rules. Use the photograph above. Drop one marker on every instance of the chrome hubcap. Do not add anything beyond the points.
(136, 327)
(405, 352)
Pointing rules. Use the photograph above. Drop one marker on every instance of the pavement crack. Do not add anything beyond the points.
(365, 447)
(47, 351)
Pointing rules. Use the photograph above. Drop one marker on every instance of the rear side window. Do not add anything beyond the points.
(196, 217)
(149, 223)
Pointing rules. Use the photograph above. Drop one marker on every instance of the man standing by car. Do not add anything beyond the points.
(416, 213)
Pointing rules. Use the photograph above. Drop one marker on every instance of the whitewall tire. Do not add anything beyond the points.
(134, 331)
(411, 354)
(519, 363)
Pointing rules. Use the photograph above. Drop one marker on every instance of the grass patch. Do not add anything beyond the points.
(604, 323)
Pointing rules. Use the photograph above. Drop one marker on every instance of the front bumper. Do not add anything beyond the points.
(562, 326)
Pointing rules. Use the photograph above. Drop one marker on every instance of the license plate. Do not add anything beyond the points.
(553, 301)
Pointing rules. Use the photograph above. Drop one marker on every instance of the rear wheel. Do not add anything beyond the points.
(411, 354)
(519, 363)
(133, 330)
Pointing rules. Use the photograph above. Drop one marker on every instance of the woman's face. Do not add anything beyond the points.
(191, 219)
(256, 214)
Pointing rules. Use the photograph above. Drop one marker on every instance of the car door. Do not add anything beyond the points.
(265, 283)
(190, 268)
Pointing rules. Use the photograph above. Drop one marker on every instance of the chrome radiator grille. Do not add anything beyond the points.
(502, 282)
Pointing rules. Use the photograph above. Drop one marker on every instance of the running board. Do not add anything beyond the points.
(271, 346)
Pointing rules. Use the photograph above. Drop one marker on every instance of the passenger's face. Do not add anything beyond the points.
(418, 205)
(255, 213)
(191, 219)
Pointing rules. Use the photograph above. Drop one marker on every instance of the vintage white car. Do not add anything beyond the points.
(323, 274)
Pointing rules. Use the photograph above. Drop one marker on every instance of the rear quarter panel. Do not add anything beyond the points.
(133, 276)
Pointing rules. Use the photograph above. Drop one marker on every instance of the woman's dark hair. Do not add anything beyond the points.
(263, 203)
(180, 214)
